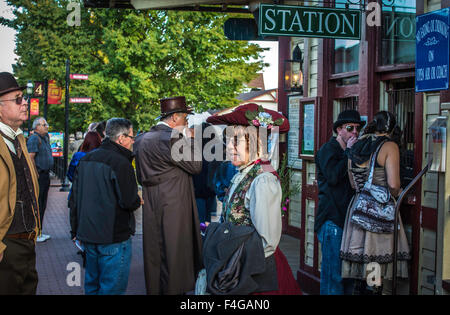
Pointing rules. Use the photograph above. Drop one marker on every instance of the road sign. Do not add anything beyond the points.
(285, 20)
(78, 76)
(79, 100)
(432, 50)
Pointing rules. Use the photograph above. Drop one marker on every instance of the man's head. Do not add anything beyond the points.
(348, 124)
(13, 106)
(40, 126)
(120, 131)
(176, 120)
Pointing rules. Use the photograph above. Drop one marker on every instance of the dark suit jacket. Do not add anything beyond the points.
(257, 274)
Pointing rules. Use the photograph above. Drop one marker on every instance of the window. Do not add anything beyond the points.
(398, 38)
(346, 52)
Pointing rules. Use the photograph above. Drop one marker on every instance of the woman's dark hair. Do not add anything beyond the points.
(385, 122)
(91, 141)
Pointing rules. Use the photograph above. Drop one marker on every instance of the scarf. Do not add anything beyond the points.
(361, 151)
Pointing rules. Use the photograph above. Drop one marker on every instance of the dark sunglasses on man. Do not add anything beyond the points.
(350, 128)
(18, 99)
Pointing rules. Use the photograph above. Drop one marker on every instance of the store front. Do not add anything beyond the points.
(374, 72)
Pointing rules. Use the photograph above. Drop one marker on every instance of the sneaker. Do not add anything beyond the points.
(41, 239)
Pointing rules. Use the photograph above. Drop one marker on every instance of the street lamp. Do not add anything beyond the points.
(293, 74)
(29, 93)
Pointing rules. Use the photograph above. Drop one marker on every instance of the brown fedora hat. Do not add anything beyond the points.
(8, 83)
(173, 105)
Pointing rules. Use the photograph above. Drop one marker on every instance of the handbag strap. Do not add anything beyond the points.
(372, 162)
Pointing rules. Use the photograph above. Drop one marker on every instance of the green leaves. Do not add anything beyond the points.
(133, 58)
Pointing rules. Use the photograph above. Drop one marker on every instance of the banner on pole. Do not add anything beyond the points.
(54, 93)
(34, 107)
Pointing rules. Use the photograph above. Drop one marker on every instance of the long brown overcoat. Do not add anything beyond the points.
(171, 229)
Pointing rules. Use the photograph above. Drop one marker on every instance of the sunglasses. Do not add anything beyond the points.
(18, 99)
(128, 136)
(351, 128)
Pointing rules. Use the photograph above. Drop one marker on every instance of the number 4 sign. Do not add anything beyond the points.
(38, 89)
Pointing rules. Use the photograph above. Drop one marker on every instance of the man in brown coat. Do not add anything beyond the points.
(171, 228)
(19, 189)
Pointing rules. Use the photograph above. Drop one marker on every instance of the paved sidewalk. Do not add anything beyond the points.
(54, 256)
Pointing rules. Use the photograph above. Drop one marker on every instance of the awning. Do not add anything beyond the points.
(246, 6)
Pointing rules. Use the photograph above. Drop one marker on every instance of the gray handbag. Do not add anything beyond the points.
(374, 209)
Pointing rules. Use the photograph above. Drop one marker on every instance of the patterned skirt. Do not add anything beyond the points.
(360, 247)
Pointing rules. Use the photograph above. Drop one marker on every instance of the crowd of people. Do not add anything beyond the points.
(184, 251)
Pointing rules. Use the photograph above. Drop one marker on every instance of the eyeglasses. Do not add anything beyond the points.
(44, 125)
(350, 128)
(128, 136)
(18, 99)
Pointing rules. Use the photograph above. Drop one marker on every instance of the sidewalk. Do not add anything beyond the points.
(54, 255)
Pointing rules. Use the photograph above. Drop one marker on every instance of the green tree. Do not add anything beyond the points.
(133, 58)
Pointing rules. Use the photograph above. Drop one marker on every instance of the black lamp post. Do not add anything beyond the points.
(293, 73)
(29, 93)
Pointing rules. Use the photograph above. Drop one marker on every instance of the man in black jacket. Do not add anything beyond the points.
(335, 193)
(103, 199)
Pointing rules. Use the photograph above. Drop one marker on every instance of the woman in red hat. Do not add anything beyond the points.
(254, 197)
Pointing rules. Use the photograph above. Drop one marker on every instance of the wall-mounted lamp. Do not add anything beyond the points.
(293, 72)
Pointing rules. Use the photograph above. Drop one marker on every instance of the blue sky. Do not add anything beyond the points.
(7, 56)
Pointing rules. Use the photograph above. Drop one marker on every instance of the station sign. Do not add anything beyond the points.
(284, 20)
(432, 50)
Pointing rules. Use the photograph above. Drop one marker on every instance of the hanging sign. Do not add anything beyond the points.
(432, 51)
(311, 21)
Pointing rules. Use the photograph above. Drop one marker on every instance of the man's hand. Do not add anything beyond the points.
(351, 142)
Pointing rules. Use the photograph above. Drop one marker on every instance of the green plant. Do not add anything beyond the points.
(287, 187)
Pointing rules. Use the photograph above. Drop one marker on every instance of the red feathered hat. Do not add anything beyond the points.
(252, 115)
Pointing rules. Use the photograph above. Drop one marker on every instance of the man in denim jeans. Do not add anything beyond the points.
(335, 193)
(104, 197)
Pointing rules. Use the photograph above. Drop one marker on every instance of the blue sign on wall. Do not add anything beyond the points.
(432, 50)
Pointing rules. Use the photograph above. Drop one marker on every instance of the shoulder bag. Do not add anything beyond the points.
(374, 208)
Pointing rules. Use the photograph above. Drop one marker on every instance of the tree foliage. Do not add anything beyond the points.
(133, 58)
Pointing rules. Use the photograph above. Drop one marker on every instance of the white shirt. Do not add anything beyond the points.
(7, 130)
(264, 201)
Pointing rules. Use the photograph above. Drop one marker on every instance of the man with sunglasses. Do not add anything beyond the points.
(40, 150)
(335, 193)
(19, 211)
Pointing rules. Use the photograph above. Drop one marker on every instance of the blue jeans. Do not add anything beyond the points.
(330, 236)
(107, 268)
